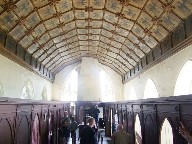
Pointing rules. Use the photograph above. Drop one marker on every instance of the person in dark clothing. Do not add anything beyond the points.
(88, 135)
(73, 128)
(96, 112)
(65, 124)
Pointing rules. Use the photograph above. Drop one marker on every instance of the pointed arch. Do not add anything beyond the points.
(150, 90)
(70, 87)
(138, 136)
(36, 130)
(166, 133)
(184, 80)
(28, 91)
(107, 89)
(22, 136)
(132, 94)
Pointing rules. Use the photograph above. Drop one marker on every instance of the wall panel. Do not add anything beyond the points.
(153, 112)
(17, 120)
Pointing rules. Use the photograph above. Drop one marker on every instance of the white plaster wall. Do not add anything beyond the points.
(117, 82)
(1, 90)
(59, 81)
(164, 75)
(89, 80)
(13, 78)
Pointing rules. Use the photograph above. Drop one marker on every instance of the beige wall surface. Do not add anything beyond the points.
(164, 75)
(59, 81)
(116, 81)
(13, 78)
(88, 81)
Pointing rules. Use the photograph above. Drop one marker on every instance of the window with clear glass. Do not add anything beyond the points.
(107, 90)
(150, 90)
(184, 81)
(166, 133)
(132, 95)
(70, 87)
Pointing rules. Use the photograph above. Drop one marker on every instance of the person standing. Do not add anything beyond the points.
(88, 135)
(73, 128)
(96, 112)
(120, 137)
(65, 124)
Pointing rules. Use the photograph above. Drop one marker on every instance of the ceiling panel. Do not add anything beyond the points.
(116, 32)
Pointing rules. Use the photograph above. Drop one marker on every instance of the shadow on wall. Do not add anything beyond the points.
(28, 91)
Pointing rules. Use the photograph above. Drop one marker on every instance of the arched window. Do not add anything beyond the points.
(150, 90)
(70, 87)
(132, 95)
(184, 81)
(107, 90)
(166, 133)
(28, 92)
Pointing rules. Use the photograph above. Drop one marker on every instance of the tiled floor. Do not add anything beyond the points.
(106, 140)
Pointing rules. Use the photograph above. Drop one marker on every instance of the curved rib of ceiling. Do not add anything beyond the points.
(116, 32)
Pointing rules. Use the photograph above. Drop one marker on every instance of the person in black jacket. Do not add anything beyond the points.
(73, 128)
(65, 128)
(96, 112)
(88, 135)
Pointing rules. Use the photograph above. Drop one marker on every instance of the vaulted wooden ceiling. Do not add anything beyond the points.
(116, 32)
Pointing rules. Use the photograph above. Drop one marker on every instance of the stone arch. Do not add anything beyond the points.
(183, 84)
(150, 90)
(28, 91)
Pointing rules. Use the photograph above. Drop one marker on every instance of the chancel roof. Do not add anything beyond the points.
(116, 32)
